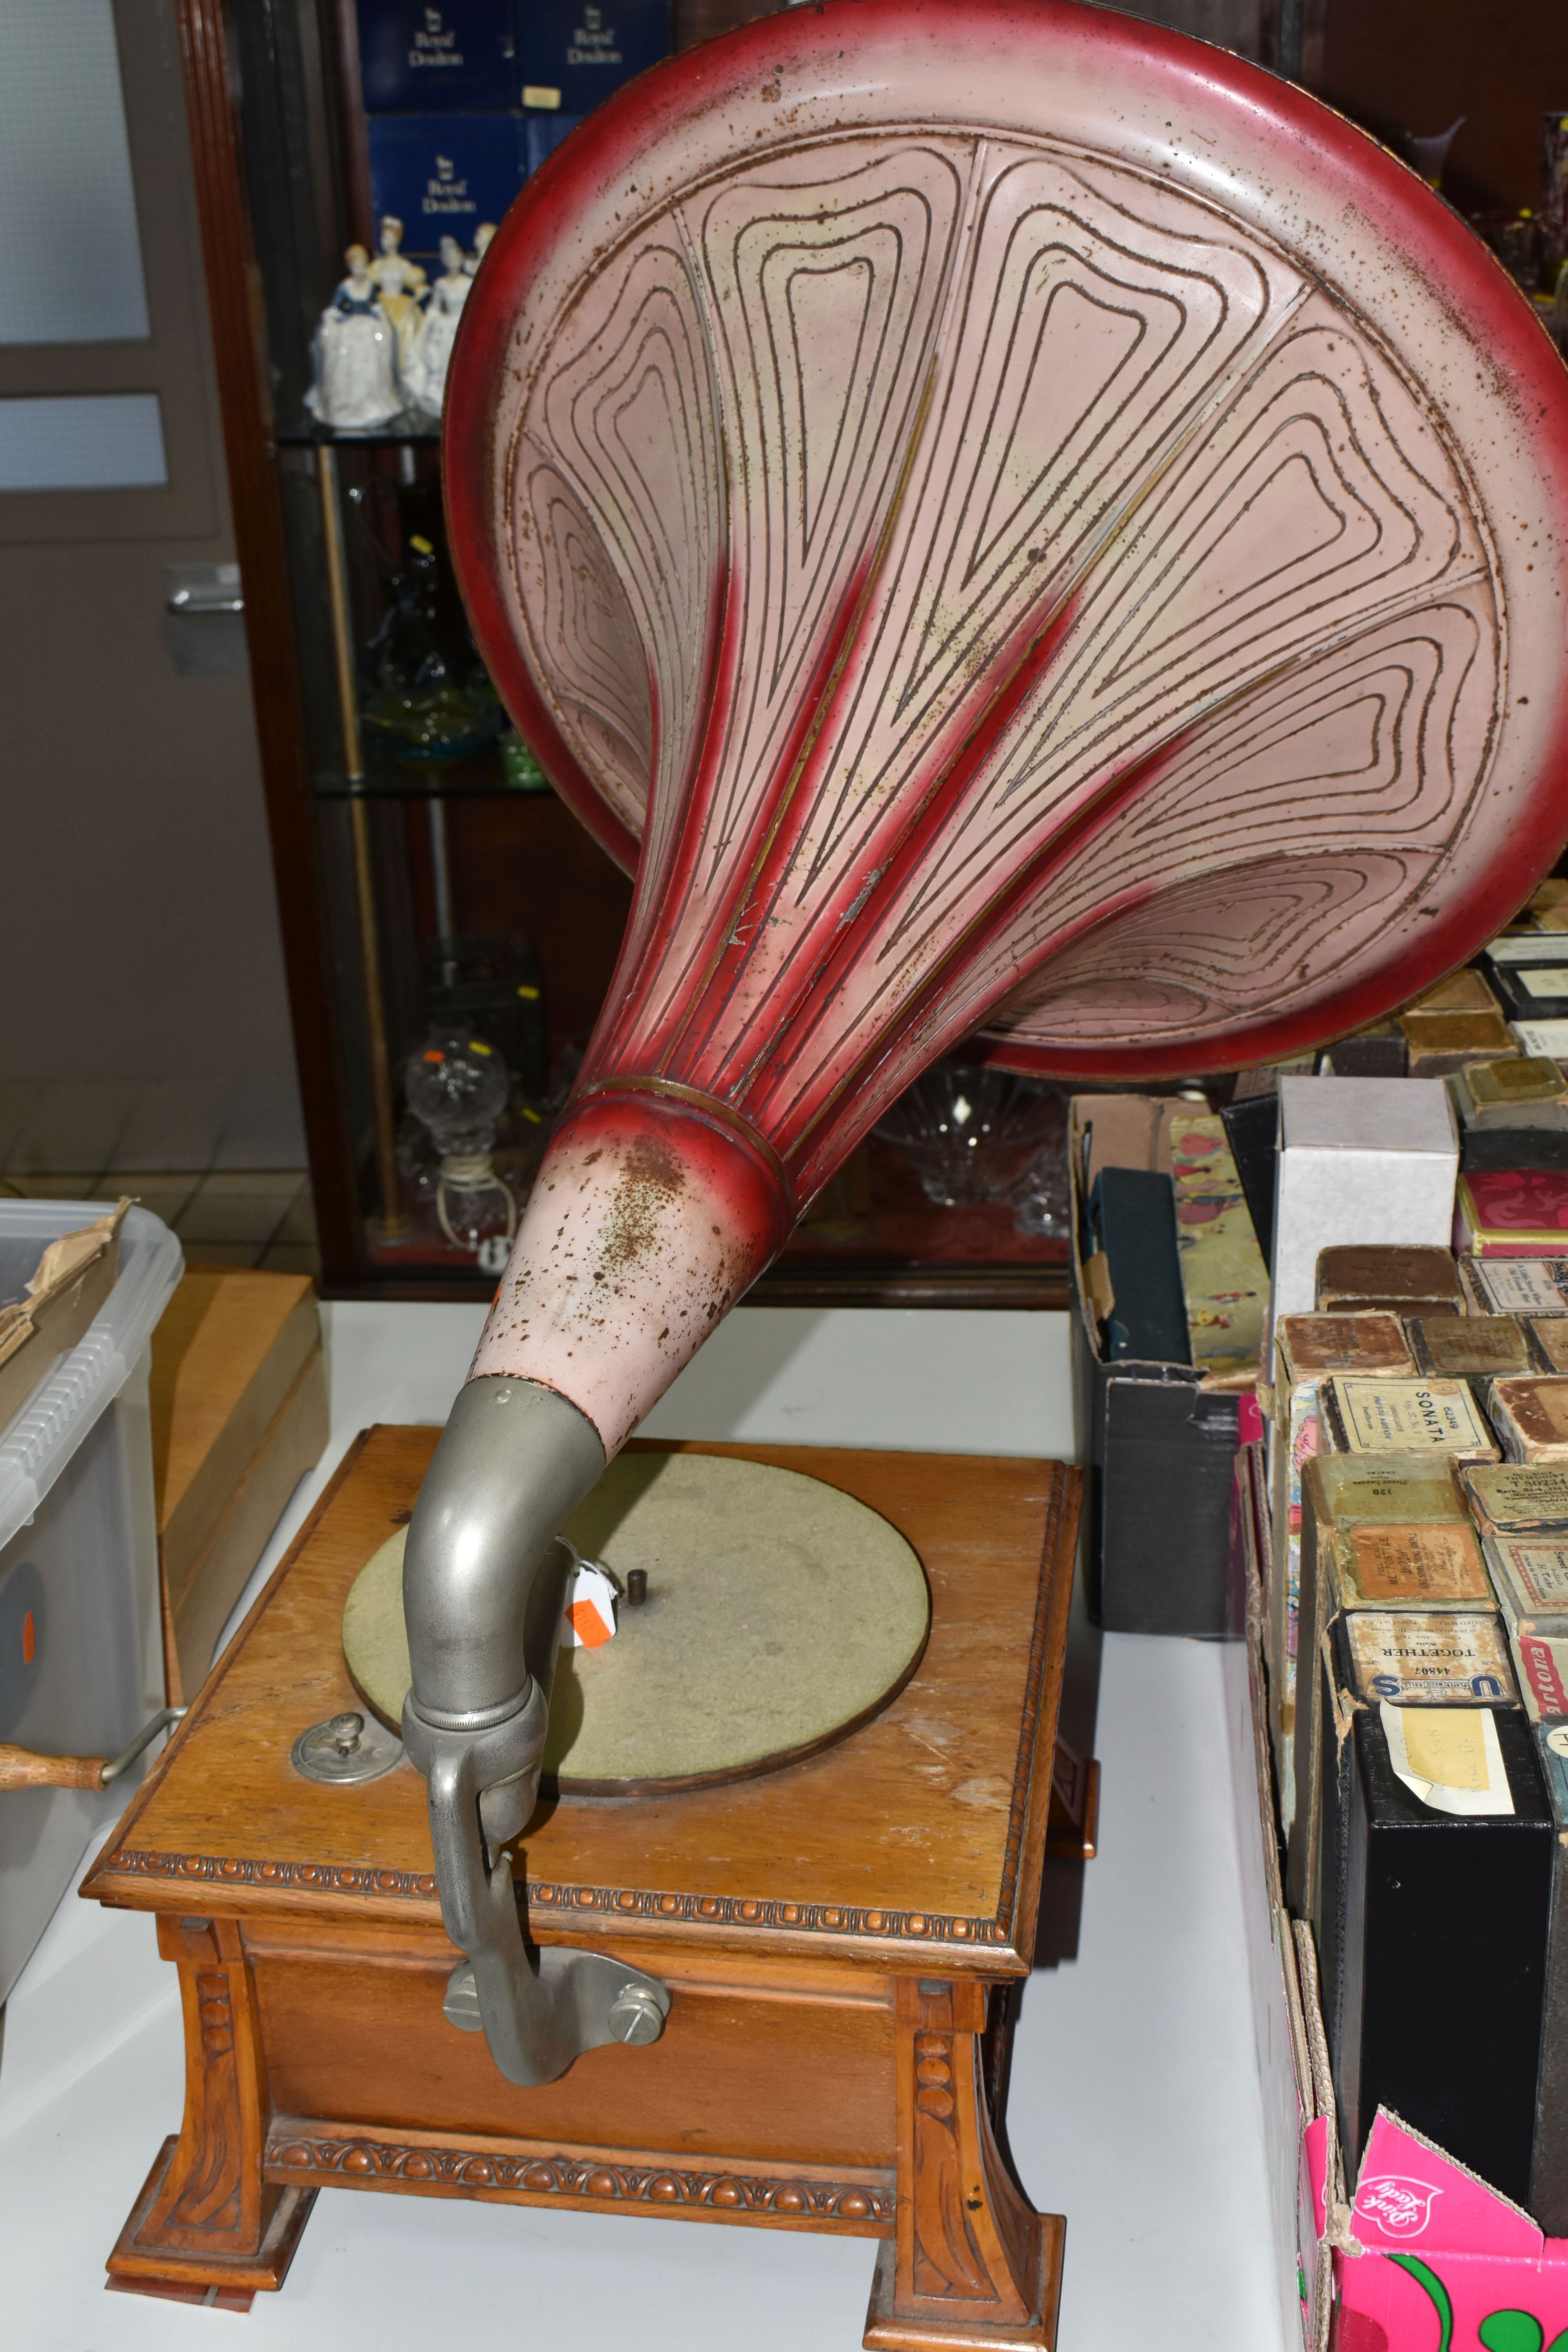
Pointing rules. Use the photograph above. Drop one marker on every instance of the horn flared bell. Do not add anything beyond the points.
(1035, 527)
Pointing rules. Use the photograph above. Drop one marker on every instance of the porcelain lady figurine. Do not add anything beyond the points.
(482, 236)
(402, 284)
(426, 375)
(356, 384)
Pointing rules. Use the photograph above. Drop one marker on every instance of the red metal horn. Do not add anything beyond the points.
(1035, 526)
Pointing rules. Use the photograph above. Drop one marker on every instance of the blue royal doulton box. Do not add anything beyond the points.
(571, 56)
(441, 175)
(543, 134)
(460, 59)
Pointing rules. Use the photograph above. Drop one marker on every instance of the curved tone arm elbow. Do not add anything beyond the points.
(484, 1582)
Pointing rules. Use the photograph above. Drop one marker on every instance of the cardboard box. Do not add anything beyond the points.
(580, 53)
(1371, 1277)
(1388, 1415)
(441, 175)
(1307, 1348)
(1420, 2253)
(1529, 1414)
(1160, 1438)
(1339, 1491)
(416, 60)
(1524, 1285)
(1360, 1159)
(1474, 1347)
(1511, 1211)
(1438, 1042)
(1465, 991)
(1548, 1037)
(240, 1414)
(541, 134)
(50, 1294)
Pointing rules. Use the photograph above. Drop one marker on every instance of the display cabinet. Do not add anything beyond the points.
(450, 930)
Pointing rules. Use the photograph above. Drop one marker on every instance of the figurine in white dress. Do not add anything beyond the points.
(402, 285)
(482, 236)
(356, 384)
(425, 374)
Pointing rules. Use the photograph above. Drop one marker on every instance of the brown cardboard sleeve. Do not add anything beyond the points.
(240, 1414)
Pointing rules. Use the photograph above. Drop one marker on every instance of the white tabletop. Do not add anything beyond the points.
(1134, 2107)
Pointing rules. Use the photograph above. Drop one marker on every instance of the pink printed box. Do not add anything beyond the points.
(1424, 2256)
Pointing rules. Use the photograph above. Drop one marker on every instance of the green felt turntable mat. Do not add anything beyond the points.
(780, 1614)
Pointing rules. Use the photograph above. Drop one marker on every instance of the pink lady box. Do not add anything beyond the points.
(1426, 2257)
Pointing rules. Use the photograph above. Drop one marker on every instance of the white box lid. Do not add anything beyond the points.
(1366, 1115)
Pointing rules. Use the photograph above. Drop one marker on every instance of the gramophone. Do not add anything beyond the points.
(1018, 526)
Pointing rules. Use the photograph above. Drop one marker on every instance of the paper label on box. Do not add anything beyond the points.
(1538, 1568)
(1522, 1286)
(1397, 1416)
(1409, 1659)
(1515, 1495)
(1545, 980)
(1431, 1564)
(1520, 947)
(1548, 1037)
(1390, 1490)
(1542, 1662)
(1449, 1757)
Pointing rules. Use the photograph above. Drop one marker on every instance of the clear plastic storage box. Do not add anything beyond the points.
(81, 1653)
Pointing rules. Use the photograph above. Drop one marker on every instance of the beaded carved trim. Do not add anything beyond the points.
(570, 2176)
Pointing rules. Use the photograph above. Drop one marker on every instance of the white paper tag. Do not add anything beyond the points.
(1547, 1038)
(1521, 947)
(1460, 1739)
(588, 1619)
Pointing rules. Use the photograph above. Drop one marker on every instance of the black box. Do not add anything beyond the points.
(1548, 2202)
(1433, 1949)
(1159, 1448)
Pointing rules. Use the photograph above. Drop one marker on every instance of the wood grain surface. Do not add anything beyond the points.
(227, 1352)
(921, 1834)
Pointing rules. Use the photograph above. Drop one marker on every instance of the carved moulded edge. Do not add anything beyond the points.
(565, 1898)
(622, 1902)
(663, 2187)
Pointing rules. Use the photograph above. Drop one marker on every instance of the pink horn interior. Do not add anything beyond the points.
(1017, 522)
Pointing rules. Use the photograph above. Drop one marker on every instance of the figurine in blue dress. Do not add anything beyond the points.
(356, 385)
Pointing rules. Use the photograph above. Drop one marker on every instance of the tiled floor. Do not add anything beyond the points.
(120, 1125)
(255, 1217)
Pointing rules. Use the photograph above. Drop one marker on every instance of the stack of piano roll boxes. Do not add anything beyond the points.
(1417, 1646)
